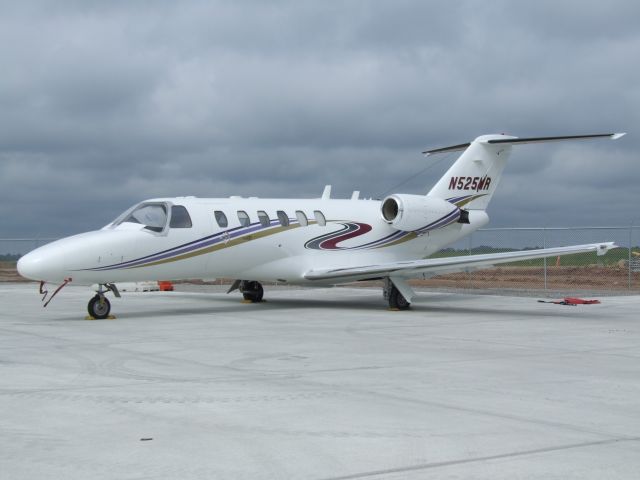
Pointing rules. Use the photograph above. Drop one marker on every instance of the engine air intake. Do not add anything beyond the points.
(412, 213)
(390, 209)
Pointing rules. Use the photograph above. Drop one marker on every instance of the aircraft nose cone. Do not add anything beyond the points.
(38, 265)
(28, 266)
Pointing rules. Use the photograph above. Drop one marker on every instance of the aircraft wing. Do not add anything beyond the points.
(437, 266)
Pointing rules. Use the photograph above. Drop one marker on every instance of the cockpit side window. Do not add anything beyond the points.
(152, 215)
(180, 217)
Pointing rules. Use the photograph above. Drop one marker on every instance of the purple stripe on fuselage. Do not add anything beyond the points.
(213, 241)
(457, 199)
(188, 247)
(449, 218)
(389, 238)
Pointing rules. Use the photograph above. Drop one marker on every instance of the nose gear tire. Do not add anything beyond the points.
(99, 307)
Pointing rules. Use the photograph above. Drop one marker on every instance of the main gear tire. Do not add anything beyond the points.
(397, 301)
(253, 292)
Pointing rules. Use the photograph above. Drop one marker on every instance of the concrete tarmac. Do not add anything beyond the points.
(317, 384)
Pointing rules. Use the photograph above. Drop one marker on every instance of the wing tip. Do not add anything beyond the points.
(604, 247)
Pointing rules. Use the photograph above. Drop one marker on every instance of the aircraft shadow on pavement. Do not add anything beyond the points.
(222, 304)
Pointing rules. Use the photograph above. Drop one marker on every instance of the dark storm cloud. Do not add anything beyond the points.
(103, 104)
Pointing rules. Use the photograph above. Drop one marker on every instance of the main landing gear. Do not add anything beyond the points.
(252, 291)
(393, 296)
(99, 306)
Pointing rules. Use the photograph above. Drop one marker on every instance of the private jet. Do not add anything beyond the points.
(310, 242)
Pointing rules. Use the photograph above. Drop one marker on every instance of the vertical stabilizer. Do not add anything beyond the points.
(474, 177)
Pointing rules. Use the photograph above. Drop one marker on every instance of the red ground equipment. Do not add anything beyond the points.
(571, 301)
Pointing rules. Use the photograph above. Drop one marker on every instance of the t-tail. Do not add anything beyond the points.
(474, 177)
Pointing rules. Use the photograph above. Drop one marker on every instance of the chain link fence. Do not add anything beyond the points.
(13, 248)
(617, 271)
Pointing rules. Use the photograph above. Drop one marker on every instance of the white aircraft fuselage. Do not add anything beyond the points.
(354, 233)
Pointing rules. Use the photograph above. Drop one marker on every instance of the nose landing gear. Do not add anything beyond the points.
(99, 306)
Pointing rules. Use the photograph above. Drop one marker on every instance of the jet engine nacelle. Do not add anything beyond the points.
(414, 212)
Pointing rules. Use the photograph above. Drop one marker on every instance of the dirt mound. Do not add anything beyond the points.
(8, 273)
(591, 277)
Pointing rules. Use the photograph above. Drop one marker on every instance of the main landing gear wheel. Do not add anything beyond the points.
(397, 301)
(393, 296)
(99, 307)
(252, 291)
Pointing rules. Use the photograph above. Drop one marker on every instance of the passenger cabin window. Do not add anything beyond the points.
(264, 218)
(180, 217)
(243, 218)
(320, 218)
(152, 215)
(302, 218)
(221, 219)
(283, 218)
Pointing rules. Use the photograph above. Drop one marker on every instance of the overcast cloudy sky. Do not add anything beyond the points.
(106, 103)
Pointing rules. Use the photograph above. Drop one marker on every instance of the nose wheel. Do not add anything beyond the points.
(99, 307)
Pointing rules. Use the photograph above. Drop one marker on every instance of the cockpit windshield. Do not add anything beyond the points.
(152, 215)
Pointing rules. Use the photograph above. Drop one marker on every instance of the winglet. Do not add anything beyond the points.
(616, 136)
(605, 247)
(326, 194)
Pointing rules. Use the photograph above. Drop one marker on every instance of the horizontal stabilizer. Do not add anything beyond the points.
(515, 141)
(453, 148)
(508, 140)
